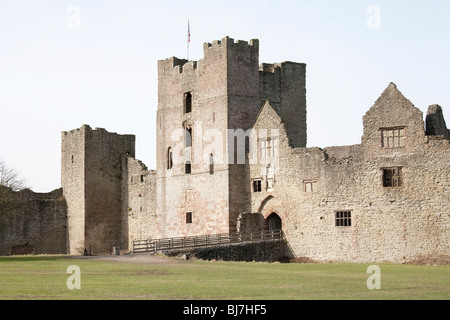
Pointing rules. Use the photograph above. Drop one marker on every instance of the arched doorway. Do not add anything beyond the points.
(273, 222)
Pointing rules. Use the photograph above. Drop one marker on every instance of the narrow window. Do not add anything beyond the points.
(392, 177)
(188, 217)
(257, 185)
(211, 164)
(262, 149)
(187, 167)
(142, 178)
(188, 137)
(72, 158)
(393, 137)
(187, 102)
(274, 145)
(169, 158)
(343, 218)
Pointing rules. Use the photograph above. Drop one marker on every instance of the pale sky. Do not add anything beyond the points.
(68, 63)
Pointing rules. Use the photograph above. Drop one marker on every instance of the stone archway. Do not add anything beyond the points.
(273, 214)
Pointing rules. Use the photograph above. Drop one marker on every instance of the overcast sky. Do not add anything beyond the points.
(68, 63)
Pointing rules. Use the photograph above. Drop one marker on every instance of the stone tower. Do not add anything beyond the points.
(206, 110)
(92, 177)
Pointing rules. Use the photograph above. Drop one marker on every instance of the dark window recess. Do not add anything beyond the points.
(187, 168)
(188, 102)
(257, 186)
(392, 177)
(211, 164)
(188, 217)
(169, 158)
(343, 219)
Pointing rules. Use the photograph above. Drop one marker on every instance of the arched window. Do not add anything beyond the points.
(169, 158)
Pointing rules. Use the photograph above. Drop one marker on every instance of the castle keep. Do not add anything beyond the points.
(232, 157)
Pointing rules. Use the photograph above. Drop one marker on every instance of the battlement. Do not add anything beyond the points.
(87, 128)
(269, 67)
(174, 65)
(230, 43)
(77, 130)
(272, 67)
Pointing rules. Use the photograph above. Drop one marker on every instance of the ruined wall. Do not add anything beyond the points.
(284, 86)
(33, 223)
(72, 182)
(91, 178)
(435, 122)
(103, 182)
(139, 215)
(395, 224)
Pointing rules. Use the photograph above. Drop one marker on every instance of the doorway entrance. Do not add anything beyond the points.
(273, 222)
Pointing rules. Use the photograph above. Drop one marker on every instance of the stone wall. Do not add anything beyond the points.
(395, 224)
(228, 88)
(103, 182)
(268, 251)
(139, 215)
(72, 182)
(204, 195)
(284, 86)
(435, 122)
(33, 223)
(91, 178)
(386, 199)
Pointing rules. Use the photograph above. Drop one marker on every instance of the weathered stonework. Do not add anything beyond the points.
(232, 157)
(396, 224)
(139, 216)
(33, 223)
(91, 177)
(267, 251)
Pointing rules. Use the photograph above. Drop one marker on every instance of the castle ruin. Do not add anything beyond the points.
(231, 157)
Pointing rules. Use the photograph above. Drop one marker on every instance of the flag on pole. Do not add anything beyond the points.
(189, 32)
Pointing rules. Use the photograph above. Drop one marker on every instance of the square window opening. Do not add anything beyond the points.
(257, 185)
(392, 177)
(343, 218)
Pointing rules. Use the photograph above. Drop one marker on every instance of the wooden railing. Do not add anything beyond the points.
(204, 241)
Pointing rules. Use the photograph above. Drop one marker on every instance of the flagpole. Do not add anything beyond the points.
(188, 39)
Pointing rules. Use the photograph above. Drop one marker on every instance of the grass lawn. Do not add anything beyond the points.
(45, 277)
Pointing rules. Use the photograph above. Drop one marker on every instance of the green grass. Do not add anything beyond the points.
(44, 277)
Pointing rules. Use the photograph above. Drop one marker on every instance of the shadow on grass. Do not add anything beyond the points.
(31, 258)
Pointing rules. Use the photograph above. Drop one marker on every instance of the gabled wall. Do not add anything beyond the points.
(395, 224)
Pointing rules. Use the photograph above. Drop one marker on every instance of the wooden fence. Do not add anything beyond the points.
(168, 244)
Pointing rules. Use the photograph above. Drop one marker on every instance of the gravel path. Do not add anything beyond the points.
(142, 258)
